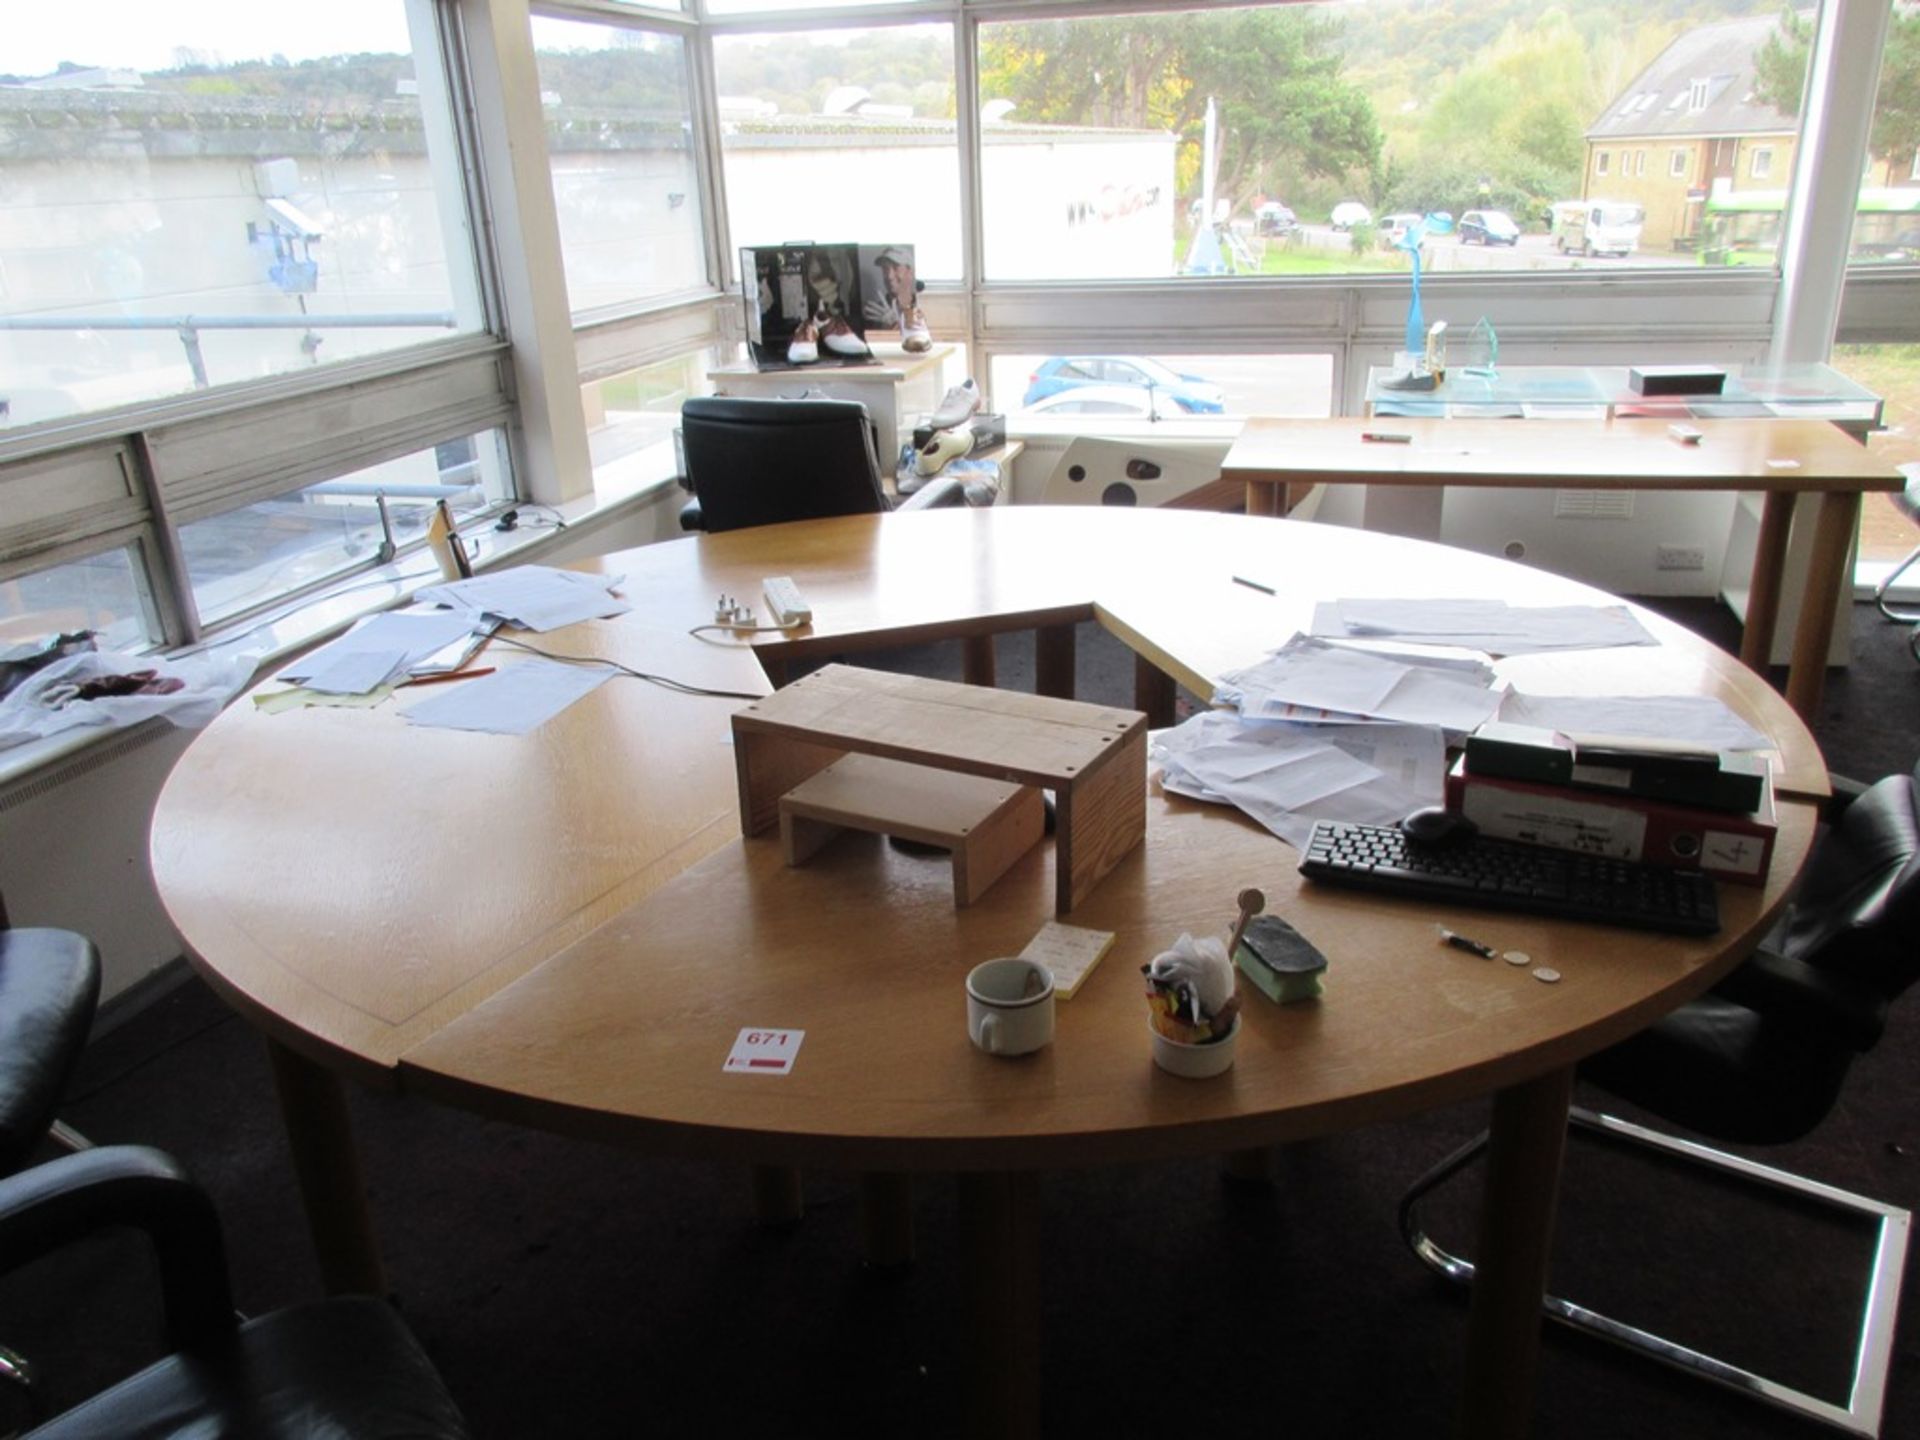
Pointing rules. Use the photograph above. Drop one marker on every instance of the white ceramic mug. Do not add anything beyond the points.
(1010, 1006)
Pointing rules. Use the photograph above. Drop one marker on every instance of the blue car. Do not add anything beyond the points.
(1065, 372)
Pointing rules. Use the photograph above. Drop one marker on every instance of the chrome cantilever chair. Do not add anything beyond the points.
(346, 1368)
(1908, 503)
(1761, 1060)
(763, 462)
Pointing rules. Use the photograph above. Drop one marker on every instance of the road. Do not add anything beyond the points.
(1533, 252)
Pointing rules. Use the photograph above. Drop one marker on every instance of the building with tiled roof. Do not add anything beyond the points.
(1689, 119)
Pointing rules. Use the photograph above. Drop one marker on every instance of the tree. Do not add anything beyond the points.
(1285, 111)
(1780, 79)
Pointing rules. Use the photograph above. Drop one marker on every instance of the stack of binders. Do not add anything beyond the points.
(1626, 799)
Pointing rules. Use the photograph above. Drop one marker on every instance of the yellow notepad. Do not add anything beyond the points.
(1069, 951)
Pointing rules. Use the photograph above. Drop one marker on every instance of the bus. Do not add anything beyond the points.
(1742, 227)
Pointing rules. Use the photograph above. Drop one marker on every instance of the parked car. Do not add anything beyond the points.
(1273, 218)
(1488, 227)
(1064, 372)
(1138, 401)
(1394, 227)
(1349, 213)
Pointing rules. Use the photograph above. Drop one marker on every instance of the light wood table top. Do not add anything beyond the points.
(1634, 454)
(1783, 459)
(566, 929)
(379, 896)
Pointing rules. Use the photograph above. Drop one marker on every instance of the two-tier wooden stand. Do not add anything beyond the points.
(1093, 759)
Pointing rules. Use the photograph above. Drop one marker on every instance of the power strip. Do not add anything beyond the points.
(785, 602)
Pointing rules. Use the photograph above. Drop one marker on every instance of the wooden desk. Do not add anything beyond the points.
(1274, 456)
(565, 929)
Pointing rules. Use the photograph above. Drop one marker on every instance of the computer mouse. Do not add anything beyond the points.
(1436, 823)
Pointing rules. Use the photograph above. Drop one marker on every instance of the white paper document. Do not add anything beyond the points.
(1490, 625)
(515, 700)
(377, 650)
(1696, 719)
(1349, 682)
(534, 597)
(1287, 776)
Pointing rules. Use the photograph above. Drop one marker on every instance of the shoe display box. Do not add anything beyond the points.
(828, 296)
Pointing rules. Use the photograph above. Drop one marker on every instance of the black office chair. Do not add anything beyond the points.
(49, 986)
(346, 1367)
(1761, 1060)
(762, 462)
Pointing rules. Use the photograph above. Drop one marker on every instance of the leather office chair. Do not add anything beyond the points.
(345, 1367)
(762, 462)
(49, 986)
(1761, 1060)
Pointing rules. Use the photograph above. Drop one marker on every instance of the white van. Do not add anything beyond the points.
(1599, 227)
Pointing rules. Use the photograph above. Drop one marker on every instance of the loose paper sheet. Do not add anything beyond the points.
(514, 700)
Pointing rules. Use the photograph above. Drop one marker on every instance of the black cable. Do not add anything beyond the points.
(664, 681)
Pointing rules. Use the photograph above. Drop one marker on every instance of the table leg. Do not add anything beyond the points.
(977, 660)
(1000, 1255)
(1053, 661)
(1763, 591)
(1153, 692)
(1516, 1234)
(313, 1105)
(776, 1196)
(1833, 534)
(886, 1218)
(1263, 498)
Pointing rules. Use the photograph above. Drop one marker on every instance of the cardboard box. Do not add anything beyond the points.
(1735, 848)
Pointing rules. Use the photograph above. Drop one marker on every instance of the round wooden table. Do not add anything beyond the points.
(566, 928)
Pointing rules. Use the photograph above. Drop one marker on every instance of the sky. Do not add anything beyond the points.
(143, 34)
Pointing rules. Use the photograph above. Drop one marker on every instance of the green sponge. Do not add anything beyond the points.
(1279, 960)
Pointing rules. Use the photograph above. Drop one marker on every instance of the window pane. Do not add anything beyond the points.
(1886, 227)
(619, 140)
(1194, 390)
(246, 558)
(843, 135)
(631, 419)
(1097, 162)
(98, 593)
(1893, 373)
(284, 177)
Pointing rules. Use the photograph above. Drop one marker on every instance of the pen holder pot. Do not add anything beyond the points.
(1195, 1062)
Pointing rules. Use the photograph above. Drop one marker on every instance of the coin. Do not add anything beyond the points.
(1546, 974)
(1517, 957)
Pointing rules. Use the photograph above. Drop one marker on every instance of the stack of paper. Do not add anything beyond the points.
(1490, 625)
(378, 650)
(1309, 679)
(534, 597)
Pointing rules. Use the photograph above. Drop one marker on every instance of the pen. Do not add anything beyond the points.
(1253, 585)
(449, 675)
(1461, 942)
(1386, 437)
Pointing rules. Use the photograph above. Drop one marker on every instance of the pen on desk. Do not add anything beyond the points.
(449, 675)
(1461, 942)
(1386, 437)
(1253, 585)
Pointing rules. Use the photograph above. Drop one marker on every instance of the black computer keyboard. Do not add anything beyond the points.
(1505, 875)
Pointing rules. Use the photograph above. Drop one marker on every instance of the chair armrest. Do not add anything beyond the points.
(690, 518)
(1845, 792)
(76, 1196)
(1786, 989)
(947, 490)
